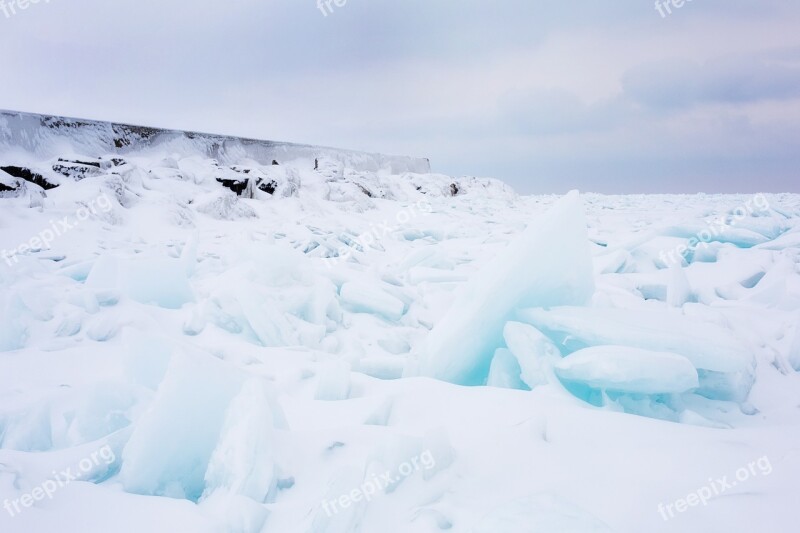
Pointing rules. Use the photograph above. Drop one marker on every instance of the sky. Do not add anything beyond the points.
(614, 96)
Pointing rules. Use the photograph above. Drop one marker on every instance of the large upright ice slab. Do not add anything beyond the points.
(549, 264)
(13, 333)
(171, 447)
(243, 461)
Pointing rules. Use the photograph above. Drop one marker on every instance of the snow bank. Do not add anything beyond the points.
(540, 513)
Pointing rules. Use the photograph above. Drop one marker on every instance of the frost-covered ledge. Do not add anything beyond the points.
(47, 136)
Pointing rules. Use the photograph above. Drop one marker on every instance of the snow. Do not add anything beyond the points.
(512, 363)
(540, 513)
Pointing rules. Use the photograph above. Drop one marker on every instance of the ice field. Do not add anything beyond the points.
(354, 344)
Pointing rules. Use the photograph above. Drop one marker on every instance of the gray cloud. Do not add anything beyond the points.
(730, 79)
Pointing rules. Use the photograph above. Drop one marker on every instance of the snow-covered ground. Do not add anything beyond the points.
(346, 349)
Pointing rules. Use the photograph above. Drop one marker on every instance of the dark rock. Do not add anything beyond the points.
(268, 186)
(365, 190)
(76, 171)
(78, 162)
(30, 176)
(237, 186)
(9, 187)
(275, 163)
(453, 189)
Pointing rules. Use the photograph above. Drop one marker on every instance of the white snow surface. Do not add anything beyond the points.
(268, 362)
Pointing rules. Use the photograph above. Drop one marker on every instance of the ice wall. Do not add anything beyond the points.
(48, 136)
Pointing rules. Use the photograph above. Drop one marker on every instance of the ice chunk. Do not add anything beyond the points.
(631, 370)
(699, 233)
(159, 281)
(549, 264)
(169, 451)
(419, 275)
(27, 430)
(243, 463)
(678, 290)
(189, 255)
(13, 333)
(536, 353)
(504, 372)
(363, 297)
(99, 411)
(150, 280)
(267, 319)
(794, 350)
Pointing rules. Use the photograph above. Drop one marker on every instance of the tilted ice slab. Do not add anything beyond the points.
(549, 264)
(707, 345)
(725, 365)
(630, 370)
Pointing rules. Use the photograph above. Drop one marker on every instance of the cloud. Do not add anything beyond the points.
(525, 90)
(738, 79)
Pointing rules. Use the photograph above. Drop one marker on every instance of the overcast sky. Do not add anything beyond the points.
(548, 95)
